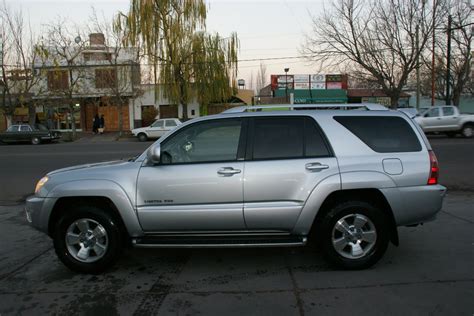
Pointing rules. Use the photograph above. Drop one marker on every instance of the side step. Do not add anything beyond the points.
(218, 241)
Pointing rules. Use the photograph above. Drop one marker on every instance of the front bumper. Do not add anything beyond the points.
(37, 211)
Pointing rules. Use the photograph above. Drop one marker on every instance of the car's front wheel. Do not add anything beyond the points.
(142, 137)
(354, 234)
(35, 140)
(88, 239)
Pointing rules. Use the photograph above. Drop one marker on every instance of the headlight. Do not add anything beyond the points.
(40, 184)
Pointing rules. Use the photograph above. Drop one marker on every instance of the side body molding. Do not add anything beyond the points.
(102, 188)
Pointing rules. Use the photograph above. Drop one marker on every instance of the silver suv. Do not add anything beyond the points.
(345, 177)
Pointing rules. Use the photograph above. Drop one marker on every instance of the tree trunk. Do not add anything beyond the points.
(32, 114)
(120, 118)
(73, 121)
(394, 100)
(456, 97)
(185, 111)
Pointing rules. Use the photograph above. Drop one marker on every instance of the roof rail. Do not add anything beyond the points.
(289, 107)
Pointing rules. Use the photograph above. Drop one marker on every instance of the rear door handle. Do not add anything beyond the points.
(228, 171)
(316, 167)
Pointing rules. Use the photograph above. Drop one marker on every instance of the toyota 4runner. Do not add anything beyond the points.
(344, 176)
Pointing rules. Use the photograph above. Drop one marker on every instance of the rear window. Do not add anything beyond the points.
(383, 134)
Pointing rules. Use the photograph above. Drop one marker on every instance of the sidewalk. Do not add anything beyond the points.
(89, 137)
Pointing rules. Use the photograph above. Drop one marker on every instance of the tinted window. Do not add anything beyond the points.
(315, 144)
(203, 142)
(278, 138)
(170, 123)
(432, 113)
(382, 134)
(157, 124)
(448, 111)
(25, 128)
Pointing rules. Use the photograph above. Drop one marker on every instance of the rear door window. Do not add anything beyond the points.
(448, 111)
(383, 134)
(287, 138)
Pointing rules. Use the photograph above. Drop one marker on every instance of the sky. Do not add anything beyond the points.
(267, 29)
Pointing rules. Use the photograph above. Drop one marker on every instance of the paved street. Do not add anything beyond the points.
(431, 273)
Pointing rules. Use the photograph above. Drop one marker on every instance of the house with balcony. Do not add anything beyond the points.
(84, 79)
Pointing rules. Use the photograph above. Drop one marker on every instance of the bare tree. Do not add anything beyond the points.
(261, 77)
(377, 36)
(461, 61)
(63, 71)
(18, 53)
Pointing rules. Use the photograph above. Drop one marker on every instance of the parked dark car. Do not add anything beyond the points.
(36, 134)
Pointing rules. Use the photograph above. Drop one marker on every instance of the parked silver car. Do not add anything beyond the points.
(250, 177)
(157, 129)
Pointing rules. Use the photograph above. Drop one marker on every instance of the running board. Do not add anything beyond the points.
(218, 242)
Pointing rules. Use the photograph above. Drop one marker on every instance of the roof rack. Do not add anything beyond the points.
(290, 107)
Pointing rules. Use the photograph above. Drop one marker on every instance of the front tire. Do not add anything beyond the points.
(142, 137)
(355, 235)
(87, 239)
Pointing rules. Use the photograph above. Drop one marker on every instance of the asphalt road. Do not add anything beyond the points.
(430, 273)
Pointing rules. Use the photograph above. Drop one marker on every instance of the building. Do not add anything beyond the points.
(375, 96)
(78, 82)
(151, 96)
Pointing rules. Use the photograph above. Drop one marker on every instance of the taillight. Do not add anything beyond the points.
(434, 168)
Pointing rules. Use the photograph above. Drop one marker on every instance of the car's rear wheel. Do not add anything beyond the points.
(468, 131)
(88, 239)
(354, 234)
(142, 137)
(35, 140)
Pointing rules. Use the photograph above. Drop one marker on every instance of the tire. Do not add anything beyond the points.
(364, 252)
(35, 141)
(105, 239)
(451, 134)
(142, 137)
(467, 131)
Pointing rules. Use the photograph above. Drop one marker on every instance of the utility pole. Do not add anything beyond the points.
(418, 67)
(433, 57)
(448, 62)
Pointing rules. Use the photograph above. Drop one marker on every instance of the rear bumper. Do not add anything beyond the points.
(415, 205)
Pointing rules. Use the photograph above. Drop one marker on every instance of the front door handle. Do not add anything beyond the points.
(228, 171)
(316, 167)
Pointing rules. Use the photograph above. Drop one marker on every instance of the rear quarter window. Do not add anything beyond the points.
(383, 134)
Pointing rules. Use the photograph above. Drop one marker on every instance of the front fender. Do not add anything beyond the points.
(102, 188)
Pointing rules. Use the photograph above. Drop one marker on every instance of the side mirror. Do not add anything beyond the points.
(153, 154)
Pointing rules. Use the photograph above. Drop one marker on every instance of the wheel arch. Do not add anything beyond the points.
(370, 195)
(105, 194)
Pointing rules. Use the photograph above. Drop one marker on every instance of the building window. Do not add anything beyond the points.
(58, 80)
(105, 78)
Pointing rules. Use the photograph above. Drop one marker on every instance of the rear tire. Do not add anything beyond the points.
(467, 131)
(354, 235)
(87, 239)
(142, 137)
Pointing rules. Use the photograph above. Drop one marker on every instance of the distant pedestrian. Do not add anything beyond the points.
(96, 124)
(101, 124)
